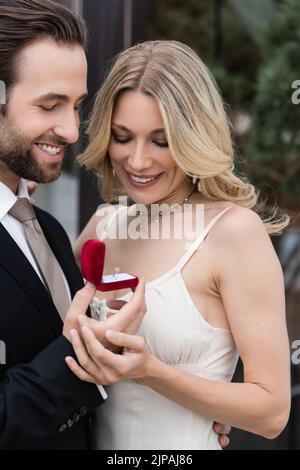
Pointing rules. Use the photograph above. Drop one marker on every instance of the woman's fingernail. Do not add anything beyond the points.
(111, 334)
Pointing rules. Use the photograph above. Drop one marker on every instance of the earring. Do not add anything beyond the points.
(114, 172)
(199, 185)
(197, 182)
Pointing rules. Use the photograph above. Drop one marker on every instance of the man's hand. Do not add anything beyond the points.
(31, 187)
(78, 307)
(222, 430)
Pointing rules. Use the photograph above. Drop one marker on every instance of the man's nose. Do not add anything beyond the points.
(68, 129)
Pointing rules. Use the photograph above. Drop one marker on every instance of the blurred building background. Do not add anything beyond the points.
(252, 48)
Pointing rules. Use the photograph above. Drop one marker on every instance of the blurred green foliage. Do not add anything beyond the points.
(226, 48)
(273, 145)
(252, 48)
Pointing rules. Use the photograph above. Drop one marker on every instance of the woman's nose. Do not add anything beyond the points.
(139, 159)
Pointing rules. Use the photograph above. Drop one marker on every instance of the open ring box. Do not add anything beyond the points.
(92, 264)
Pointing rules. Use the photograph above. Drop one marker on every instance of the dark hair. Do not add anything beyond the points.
(23, 22)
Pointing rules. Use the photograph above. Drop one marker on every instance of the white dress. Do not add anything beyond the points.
(137, 417)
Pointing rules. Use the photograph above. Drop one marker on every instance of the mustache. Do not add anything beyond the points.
(52, 140)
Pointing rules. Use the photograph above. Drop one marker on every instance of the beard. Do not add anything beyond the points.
(16, 154)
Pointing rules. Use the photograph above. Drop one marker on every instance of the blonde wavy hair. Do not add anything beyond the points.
(196, 125)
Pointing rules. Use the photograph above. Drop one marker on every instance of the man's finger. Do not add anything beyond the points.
(93, 346)
(31, 187)
(226, 429)
(223, 441)
(78, 371)
(83, 320)
(80, 350)
(222, 428)
(85, 361)
(136, 343)
(82, 300)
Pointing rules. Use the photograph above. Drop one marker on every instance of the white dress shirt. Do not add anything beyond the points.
(16, 231)
(15, 228)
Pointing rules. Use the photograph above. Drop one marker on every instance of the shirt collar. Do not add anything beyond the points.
(8, 198)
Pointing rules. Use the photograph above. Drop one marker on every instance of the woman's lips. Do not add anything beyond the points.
(142, 185)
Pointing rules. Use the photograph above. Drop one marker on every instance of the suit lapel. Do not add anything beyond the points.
(16, 264)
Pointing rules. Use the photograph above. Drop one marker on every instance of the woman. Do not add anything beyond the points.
(159, 133)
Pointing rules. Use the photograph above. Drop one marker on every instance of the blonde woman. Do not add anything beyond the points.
(159, 134)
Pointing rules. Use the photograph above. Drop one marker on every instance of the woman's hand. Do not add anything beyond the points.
(128, 319)
(99, 365)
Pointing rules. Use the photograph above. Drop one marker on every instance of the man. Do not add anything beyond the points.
(43, 65)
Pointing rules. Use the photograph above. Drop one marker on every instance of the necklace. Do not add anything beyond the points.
(156, 214)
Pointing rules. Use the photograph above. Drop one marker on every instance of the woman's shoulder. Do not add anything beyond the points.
(239, 228)
(240, 218)
(238, 239)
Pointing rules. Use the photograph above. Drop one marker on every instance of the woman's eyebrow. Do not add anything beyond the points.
(119, 126)
(123, 128)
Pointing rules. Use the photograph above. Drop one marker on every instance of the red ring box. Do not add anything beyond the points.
(92, 264)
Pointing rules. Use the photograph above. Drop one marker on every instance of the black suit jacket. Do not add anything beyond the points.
(42, 404)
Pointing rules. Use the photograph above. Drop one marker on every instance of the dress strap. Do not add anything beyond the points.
(112, 218)
(197, 242)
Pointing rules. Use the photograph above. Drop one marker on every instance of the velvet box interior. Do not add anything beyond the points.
(92, 265)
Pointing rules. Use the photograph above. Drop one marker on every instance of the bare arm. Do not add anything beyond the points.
(252, 289)
(251, 286)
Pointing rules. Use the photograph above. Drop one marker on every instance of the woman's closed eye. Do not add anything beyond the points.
(161, 143)
(121, 140)
(126, 140)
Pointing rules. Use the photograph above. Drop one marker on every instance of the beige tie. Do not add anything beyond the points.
(43, 255)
